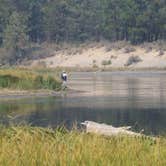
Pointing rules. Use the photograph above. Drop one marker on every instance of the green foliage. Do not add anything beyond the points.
(76, 20)
(106, 62)
(15, 32)
(5, 8)
(15, 37)
(24, 79)
(80, 20)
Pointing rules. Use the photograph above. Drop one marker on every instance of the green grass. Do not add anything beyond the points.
(24, 79)
(37, 146)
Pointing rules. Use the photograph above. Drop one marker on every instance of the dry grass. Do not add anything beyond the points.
(38, 146)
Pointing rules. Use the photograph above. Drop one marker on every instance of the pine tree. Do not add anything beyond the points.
(15, 35)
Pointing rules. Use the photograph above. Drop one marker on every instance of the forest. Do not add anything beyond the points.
(37, 21)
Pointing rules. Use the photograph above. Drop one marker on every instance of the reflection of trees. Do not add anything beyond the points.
(17, 109)
(162, 83)
(133, 88)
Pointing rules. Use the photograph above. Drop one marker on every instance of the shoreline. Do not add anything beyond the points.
(19, 94)
(107, 69)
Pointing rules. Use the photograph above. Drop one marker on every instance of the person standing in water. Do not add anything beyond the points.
(64, 80)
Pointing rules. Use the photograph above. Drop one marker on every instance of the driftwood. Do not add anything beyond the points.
(108, 130)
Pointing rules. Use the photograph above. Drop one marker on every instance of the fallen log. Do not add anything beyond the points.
(108, 130)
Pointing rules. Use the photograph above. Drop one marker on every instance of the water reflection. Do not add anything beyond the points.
(119, 98)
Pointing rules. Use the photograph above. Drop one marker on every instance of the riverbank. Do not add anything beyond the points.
(9, 94)
(6, 94)
(110, 69)
(39, 146)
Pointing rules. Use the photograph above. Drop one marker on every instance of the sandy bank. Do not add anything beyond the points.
(107, 55)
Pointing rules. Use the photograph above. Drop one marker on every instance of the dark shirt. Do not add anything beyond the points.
(64, 77)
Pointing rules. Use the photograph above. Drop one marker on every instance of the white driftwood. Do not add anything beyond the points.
(108, 130)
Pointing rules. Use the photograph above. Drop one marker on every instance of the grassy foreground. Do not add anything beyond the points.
(37, 146)
(23, 79)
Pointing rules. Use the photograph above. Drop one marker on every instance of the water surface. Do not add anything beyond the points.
(137, 99)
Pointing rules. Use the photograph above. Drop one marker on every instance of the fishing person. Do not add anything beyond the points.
(64, 80)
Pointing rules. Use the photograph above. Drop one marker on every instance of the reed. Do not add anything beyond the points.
(24, 79)
(37, 146)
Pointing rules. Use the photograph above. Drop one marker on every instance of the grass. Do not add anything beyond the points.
(37, 146)
(24, 79)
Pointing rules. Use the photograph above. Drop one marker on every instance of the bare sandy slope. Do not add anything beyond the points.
(93, 54)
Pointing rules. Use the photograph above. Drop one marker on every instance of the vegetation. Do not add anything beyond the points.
(38, 146)
(132, 60)
(38, 21)
(23, 79)
(106, 62)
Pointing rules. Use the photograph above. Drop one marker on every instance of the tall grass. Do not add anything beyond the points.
(24, 79)
(38, 146)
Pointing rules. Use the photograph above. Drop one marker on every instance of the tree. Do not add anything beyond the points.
(79, 20)
(5, 9)
(15, 35)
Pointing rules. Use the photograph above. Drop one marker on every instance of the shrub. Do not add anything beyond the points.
(148, 49)
(129, 49)
(94, 61)
(94, 65)
(133, 59)
(8, 80)
(161, 53)
(119, 45)
(106, 62)
(113, 57)
(108, 49)
(51, 63)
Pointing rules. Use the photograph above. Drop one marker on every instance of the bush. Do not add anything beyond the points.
(108, 49)
(129, 49)
(148, 49)
(133, 59)
(94, 65)
(119, 45)
(8, 80)
(51, 63)
(113, 57)
(106, 62)
(161, 53)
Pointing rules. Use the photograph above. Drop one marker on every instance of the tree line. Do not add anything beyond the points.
(37, 21)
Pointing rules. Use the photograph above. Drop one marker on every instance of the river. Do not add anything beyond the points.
(136, 99)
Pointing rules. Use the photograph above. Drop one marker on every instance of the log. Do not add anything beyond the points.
(108, 130)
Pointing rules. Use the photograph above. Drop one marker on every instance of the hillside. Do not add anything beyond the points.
(105, 55)
(30, 22)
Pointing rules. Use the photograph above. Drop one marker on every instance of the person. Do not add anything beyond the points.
(64, 80)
